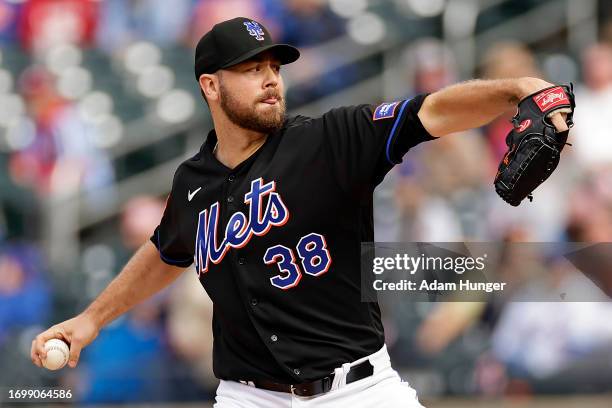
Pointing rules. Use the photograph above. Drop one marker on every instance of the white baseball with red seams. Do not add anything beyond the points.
(57, 354)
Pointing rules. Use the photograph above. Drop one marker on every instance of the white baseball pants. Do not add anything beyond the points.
(383, 389)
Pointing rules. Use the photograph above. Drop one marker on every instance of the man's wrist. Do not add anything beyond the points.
(94, 317)
(529, 85)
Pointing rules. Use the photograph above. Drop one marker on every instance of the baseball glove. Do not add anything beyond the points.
(534, 145)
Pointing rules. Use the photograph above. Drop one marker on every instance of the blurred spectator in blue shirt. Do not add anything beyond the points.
(24, 291)
(130, 359)
(159, 21)
(9, 12)
(309, 22)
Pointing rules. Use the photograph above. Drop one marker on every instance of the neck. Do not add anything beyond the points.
(235, 144)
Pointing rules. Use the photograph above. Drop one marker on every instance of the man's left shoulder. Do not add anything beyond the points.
(296, 121)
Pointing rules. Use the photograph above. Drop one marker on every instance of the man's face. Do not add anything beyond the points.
(252, 94)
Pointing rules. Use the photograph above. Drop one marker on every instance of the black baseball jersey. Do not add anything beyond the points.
(276, 240)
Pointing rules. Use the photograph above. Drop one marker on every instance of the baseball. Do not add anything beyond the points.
(57, 354)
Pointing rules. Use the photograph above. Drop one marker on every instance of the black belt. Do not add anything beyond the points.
(320, 386)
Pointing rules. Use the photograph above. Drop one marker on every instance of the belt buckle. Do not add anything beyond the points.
(293, 390)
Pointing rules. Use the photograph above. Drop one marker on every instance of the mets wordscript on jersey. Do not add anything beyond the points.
(313, 257)
(239, 229)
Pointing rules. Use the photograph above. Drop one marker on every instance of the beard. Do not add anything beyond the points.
(247, 116)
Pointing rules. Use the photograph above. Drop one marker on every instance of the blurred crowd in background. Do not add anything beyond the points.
(95, 96)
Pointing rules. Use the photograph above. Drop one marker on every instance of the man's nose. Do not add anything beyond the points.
(271, 79)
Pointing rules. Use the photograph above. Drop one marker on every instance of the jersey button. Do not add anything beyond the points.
(274, 337)
(231, 178)
(296, 371)
(230, 199)
(254, 302)
(241, 261)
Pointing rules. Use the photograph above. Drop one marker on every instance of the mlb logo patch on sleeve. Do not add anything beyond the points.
(385, 110)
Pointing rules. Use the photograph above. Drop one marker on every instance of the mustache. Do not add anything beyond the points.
(271, 94)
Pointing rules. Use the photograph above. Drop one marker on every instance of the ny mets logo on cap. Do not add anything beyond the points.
(255, 30)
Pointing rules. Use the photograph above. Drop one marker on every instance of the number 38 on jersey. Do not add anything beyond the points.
(314, 259)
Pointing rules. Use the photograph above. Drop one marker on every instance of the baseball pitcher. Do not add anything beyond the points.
(272, 209)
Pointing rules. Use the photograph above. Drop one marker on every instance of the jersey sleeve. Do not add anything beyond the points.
(366, 141)
(167, 238)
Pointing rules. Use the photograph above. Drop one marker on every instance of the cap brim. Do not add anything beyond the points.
(285, 52)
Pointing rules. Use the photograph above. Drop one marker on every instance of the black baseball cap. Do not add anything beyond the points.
(234, 41)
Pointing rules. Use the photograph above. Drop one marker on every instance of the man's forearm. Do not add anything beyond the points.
(143, 276)
(474, 103)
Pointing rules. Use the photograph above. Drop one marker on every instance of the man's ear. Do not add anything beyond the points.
(209, 84)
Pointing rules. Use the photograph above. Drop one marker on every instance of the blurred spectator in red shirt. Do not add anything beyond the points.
(506, 60)
(33, 165)
(63, 156)
(207, 13)
(44, 23)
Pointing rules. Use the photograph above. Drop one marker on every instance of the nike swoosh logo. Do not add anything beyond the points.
(190, 194)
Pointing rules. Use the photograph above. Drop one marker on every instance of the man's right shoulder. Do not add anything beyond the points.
(192, 163)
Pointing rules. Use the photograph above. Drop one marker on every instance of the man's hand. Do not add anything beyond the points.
(78, 332)
(530, 86)
(559, 120)
(536, 140)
